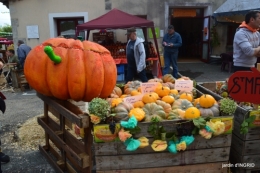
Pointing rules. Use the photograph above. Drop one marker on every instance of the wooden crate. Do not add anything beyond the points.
(112, 156)
(244, 147)
(240, 114)
(62, 149)
(201, 156)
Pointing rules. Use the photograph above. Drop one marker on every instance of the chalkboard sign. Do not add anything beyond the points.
(103, 37)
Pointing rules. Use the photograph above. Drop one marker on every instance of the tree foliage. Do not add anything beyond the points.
(5, 30)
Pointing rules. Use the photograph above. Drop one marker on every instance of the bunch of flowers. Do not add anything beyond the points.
(125, 135)
(180, 145)
(212, 128)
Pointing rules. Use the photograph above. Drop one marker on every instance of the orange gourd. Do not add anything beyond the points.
(131, 85)
(196, 102)
(155, 80)
(84, 70)
(162, 91)
(138, 113)
(138, 104)
(124, 96)
(174, 91)
(149, 98)
(155, 95)
(168, 78)
(206, 101)
(168, 99)
(187, 96)
(135, 93)
(117, 91)
(169, 85)
(191, 113)
(115, 102)
(166, 106)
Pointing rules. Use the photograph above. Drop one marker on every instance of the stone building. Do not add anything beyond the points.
(35, 21)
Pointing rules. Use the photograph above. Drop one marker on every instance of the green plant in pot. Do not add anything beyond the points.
(227, 106)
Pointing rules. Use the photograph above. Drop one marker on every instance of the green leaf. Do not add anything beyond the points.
(161, 129)
(244, 124)
(251, 119)
(250, 125)
(174, 138)
(199, 122)
(195, 131)
(244, 130)
(135, 130)
(153, 130)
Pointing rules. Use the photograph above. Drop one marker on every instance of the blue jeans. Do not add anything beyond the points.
(132, 70)
(170, 58)
(130, 74)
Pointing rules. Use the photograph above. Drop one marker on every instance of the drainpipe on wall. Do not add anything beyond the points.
(215, 21)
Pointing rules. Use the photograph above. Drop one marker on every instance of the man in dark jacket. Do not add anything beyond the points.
(22, 52)
(171, 43)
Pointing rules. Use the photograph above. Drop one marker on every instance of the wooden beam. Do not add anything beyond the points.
(48, 157)
(162, 159)
(46, 117)
(73, 118)
(198, 168)
(71, 141)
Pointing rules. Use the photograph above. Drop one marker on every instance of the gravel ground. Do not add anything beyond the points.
(19, 108)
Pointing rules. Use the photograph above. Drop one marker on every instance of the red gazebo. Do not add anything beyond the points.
(116, 19)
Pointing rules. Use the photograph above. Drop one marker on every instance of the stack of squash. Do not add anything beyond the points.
(165, 103)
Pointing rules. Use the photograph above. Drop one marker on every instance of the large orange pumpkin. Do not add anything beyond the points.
(87, 70)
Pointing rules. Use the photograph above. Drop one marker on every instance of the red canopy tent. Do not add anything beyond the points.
(116, 19)
(5, 41)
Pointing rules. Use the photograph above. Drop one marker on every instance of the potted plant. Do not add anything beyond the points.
(214, 38)
(227, 106)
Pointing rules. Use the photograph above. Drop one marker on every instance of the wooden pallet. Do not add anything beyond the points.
(62, 149)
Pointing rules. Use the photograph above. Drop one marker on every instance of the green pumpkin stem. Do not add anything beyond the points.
(49, 51)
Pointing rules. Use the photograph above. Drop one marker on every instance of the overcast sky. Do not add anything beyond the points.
(4, 15)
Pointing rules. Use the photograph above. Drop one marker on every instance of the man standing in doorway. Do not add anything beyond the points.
(171, 43)
(246, 42)
(22, 52)
(135, 54)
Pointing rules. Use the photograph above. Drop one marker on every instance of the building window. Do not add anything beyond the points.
(66, 27)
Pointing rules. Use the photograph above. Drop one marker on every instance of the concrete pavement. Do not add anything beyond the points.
(203, 72)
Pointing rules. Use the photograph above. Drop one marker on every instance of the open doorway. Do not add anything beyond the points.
(189, 23)
(190, 29)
